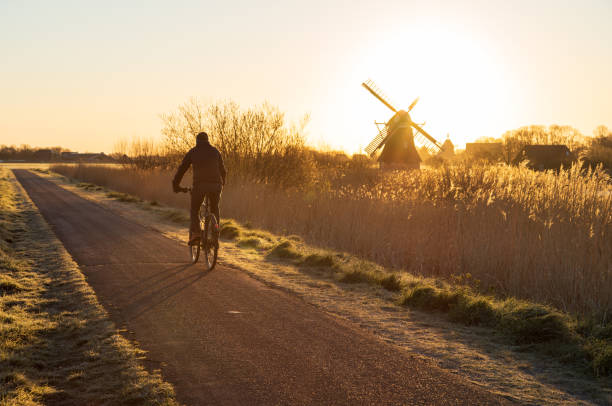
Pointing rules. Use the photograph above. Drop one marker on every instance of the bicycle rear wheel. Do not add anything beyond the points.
(194, 250)
(210, 241)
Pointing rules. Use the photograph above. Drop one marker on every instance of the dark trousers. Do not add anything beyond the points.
(213, 191)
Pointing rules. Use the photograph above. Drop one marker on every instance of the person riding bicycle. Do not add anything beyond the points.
(208, 180)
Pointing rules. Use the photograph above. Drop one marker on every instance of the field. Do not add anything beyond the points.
(57, 345)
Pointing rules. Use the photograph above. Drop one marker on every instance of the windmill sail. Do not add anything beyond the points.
(412, 105)
(425, 140)
(377, 142)
(376, 92)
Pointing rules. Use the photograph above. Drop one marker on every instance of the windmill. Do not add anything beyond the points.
(397, 136)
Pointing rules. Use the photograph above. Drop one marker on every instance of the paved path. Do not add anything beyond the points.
(223, 338)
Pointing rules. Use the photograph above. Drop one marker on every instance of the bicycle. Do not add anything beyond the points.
(209, 235)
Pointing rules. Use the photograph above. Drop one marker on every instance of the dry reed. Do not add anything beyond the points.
(545, 237)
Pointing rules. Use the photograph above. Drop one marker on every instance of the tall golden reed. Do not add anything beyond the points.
(542, 236)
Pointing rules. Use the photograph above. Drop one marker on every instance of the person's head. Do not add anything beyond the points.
(201, 138)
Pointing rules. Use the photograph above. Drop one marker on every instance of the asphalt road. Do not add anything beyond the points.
(223, 338)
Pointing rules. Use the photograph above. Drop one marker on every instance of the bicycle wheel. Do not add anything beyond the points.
(194, 252)
(210, 241)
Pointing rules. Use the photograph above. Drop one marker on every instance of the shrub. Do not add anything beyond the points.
(600, 351)
(229, 231)
(285, 250)
(390, 282)
(250, 242)
(319, 260)
(531, 324)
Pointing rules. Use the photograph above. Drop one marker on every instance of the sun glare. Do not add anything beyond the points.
(462, 87)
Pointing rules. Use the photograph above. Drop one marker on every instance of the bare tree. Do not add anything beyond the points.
(255, 142)
(602, 132)
(515, 140)
(140, 153)
(180, 127)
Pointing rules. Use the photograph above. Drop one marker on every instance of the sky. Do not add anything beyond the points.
(83, 74)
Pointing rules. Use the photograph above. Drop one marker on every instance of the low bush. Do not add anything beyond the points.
(531, 324)
(600, 353)
(229, 231)
(390, 282)
(251, 242)
(319, 260)
(284, 250)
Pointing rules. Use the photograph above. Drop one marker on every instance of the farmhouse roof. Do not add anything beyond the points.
(545, 156)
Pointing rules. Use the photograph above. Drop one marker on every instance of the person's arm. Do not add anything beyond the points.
(222, 168)
(180, 172)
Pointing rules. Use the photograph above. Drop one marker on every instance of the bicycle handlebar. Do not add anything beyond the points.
(185, 189)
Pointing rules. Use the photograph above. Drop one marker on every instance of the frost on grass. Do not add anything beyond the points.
(57, 345)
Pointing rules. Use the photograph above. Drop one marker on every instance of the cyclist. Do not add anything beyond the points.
(208, 180)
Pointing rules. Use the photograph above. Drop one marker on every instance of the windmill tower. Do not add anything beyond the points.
(398, 138)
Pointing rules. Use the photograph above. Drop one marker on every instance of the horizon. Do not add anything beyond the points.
(85, 76)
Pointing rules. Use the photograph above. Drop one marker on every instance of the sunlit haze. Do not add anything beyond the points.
(83, 74)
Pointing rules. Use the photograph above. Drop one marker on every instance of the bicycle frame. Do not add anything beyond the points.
(209, 227)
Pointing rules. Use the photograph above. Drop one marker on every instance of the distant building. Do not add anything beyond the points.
(543, 157)
(69, 156)
(43, 155)
(447, 151)
(491, 151)
(86, 157)
(90, 157)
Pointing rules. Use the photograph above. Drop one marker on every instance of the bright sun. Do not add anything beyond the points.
(460, 81)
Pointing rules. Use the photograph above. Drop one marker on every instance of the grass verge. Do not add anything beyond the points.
(57, 345)
(530, 326)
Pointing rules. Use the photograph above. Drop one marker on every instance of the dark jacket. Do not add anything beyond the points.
(207, 164)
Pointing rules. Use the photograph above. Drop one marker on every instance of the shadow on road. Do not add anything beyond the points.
(163, 285)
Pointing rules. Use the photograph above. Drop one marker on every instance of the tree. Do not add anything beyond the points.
(254, 142)
(602, 132)
(140, 153)
(180, 127)
(515, 140)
